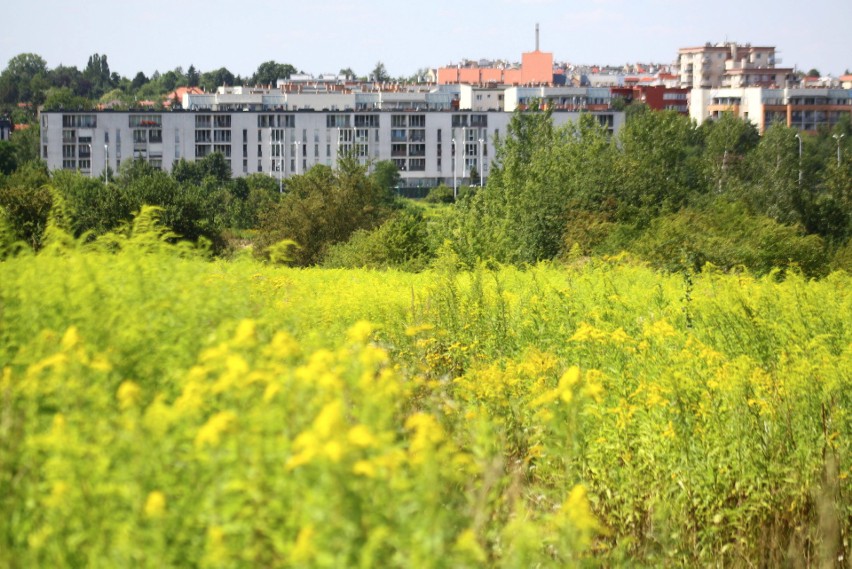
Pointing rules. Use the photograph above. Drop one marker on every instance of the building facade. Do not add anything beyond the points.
(429, 147)
(731, 65)
(805, 109)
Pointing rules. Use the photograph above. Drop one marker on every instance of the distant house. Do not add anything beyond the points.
(175, 98)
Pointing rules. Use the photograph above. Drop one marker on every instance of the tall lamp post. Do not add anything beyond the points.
(799, 137)
(838, 138)
(464, 152)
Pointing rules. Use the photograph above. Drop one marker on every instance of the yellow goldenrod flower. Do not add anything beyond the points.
(155, 505)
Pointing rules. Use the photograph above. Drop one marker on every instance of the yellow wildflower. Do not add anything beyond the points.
(128, 394)
(155, 504)
(303, 550)
(360, 436)
(211, 433)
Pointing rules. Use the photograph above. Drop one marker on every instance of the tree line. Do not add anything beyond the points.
(666, 191)
(27, 83)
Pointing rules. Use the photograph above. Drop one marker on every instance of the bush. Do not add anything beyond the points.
(727, 235)
(402, 242)
(440, 194)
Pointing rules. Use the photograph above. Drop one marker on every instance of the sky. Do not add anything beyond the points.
(325, 36)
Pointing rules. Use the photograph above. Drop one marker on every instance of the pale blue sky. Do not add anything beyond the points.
(323, 36)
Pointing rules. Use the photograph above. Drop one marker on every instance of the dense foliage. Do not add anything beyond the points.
(557, 192)
(159, 409)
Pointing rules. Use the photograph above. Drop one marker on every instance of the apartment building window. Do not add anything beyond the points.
(221, 136)
(417, 121)
(79, 121)
(399, 150)
(337, 121)
(245, 166)
(177, 143)
(398, 121)
(367, 121)
(136, 121)
(222, 121)
(69, 151)
(69, 164)
(245, 136)
(155, 135)
(417, 150)
(245, 150)
(417, 135)
(140, 135)
(201, 136)
(203, 121)
(259, 166)
(459, 121)
(398, 135)
(69, 136)
(417, 164)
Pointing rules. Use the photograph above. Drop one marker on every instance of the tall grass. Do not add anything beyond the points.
(161, 409)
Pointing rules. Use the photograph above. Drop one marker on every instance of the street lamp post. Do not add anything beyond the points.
(464, 151)
(455, 165)
(838, 138)
(799, 137)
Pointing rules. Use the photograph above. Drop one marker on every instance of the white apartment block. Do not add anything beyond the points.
(428, 146)
(806, 109)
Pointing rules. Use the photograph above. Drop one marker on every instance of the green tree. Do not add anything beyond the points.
(25, 199)
(98, 74)
(192, 77)
(139, 80)
(379, 73)
(26, 142)
(269, 72)
(727, 141)
(659, 165)
(8, 161)
(68, 77)
(386, 175)
(774, 176)
(211, 80)
(64, 98)
(323, 207)
(24, 79)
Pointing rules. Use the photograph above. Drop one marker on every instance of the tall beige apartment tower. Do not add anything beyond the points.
(731, 65)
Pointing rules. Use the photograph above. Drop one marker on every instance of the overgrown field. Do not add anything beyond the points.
(158, 409)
